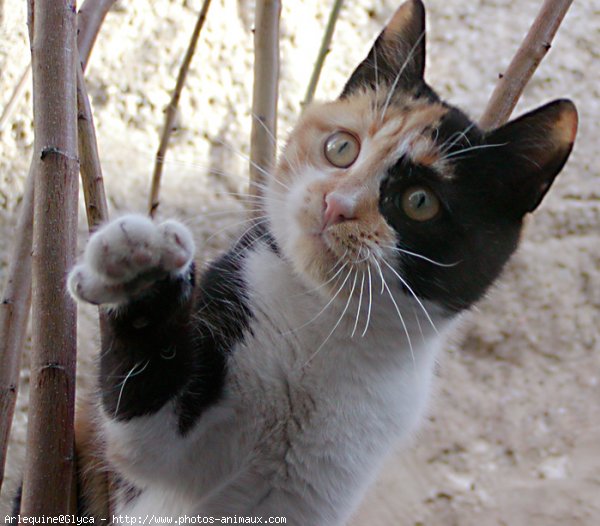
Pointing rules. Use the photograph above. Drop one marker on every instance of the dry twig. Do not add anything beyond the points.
(171, 111)
(90, 16)
(49, 458)
(94, 477)
(89, 161)
(265, 92)
(11, 105)
(523, 65)
(14, 312)
(89, 19)
(323, 51)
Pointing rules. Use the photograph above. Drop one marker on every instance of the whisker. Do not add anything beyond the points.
(416, 314)
(370, 302)
(402, 68)
(399, 313)
(217, 213)
(339, 260)
(420, 256)
(240, 255)
(337, 323)
(130, 374)
(264, 126)
(242, 155)
(360, 296)
(263, 186)
(323, 309)
(254, 220)
(253, 199)
(404, 282)
(473, 148)
(328, 281)
(358, 261)
(455, 137)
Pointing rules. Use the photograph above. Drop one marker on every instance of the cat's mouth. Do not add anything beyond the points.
(344, 243)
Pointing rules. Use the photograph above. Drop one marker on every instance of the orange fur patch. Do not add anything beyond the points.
(383, 137)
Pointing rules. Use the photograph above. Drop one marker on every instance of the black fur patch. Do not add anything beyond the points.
(471, 238)
(172, 343)
(222, 316)
(149, 349)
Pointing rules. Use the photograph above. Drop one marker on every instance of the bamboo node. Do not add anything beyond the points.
(53, 150)
(53, 366)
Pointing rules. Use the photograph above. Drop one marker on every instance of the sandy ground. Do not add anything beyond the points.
(513, 434)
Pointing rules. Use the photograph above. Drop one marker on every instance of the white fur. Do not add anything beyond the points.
(122, 251)
(303, 427)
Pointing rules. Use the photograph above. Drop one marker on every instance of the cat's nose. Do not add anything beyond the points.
(337, 209)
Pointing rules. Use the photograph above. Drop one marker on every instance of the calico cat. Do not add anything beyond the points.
(279, 382)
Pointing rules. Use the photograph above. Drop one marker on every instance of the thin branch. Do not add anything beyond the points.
(17, 93)
(323, 51)
(265, 92)
(91, 15)
(14, 313)
(49, 456)
(16, 299)
(94, 477)
(171, 111)
(89, 19)
(522, 67)
(89, 160)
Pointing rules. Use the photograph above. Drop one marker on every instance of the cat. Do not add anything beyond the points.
(279, 383)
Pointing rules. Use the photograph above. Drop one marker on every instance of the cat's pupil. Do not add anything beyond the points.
(418, 203)
(419, 199)
(341, 149)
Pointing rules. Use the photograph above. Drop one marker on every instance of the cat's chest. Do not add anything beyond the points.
(350, 356)
(327, 374)
(332, 395)
(328, 426)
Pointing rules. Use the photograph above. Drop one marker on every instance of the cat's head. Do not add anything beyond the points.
(388, 176)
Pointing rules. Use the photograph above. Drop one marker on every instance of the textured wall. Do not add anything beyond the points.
(513, 435)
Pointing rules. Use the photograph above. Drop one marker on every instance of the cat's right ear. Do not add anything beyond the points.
(397, 59)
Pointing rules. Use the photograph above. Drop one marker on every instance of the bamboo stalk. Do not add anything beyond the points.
(171, 111)
(265, 92)
(523, 65)
(16, 299)
(50, 438)
(323, 51)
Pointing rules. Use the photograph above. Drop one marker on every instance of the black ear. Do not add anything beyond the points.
(398, 56)
(534, 148)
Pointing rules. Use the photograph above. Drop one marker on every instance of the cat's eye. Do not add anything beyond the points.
(419, 203)
(341, 149)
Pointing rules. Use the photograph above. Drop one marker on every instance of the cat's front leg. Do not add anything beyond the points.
(142, 275)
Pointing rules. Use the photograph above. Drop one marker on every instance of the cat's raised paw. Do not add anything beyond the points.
(126, 256)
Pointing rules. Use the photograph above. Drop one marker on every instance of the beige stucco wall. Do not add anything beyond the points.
(513, 435)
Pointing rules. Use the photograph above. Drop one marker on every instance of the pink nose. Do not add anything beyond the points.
(337, 209)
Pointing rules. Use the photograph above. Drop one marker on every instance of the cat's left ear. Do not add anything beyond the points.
(398, 56)
(535, 146)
